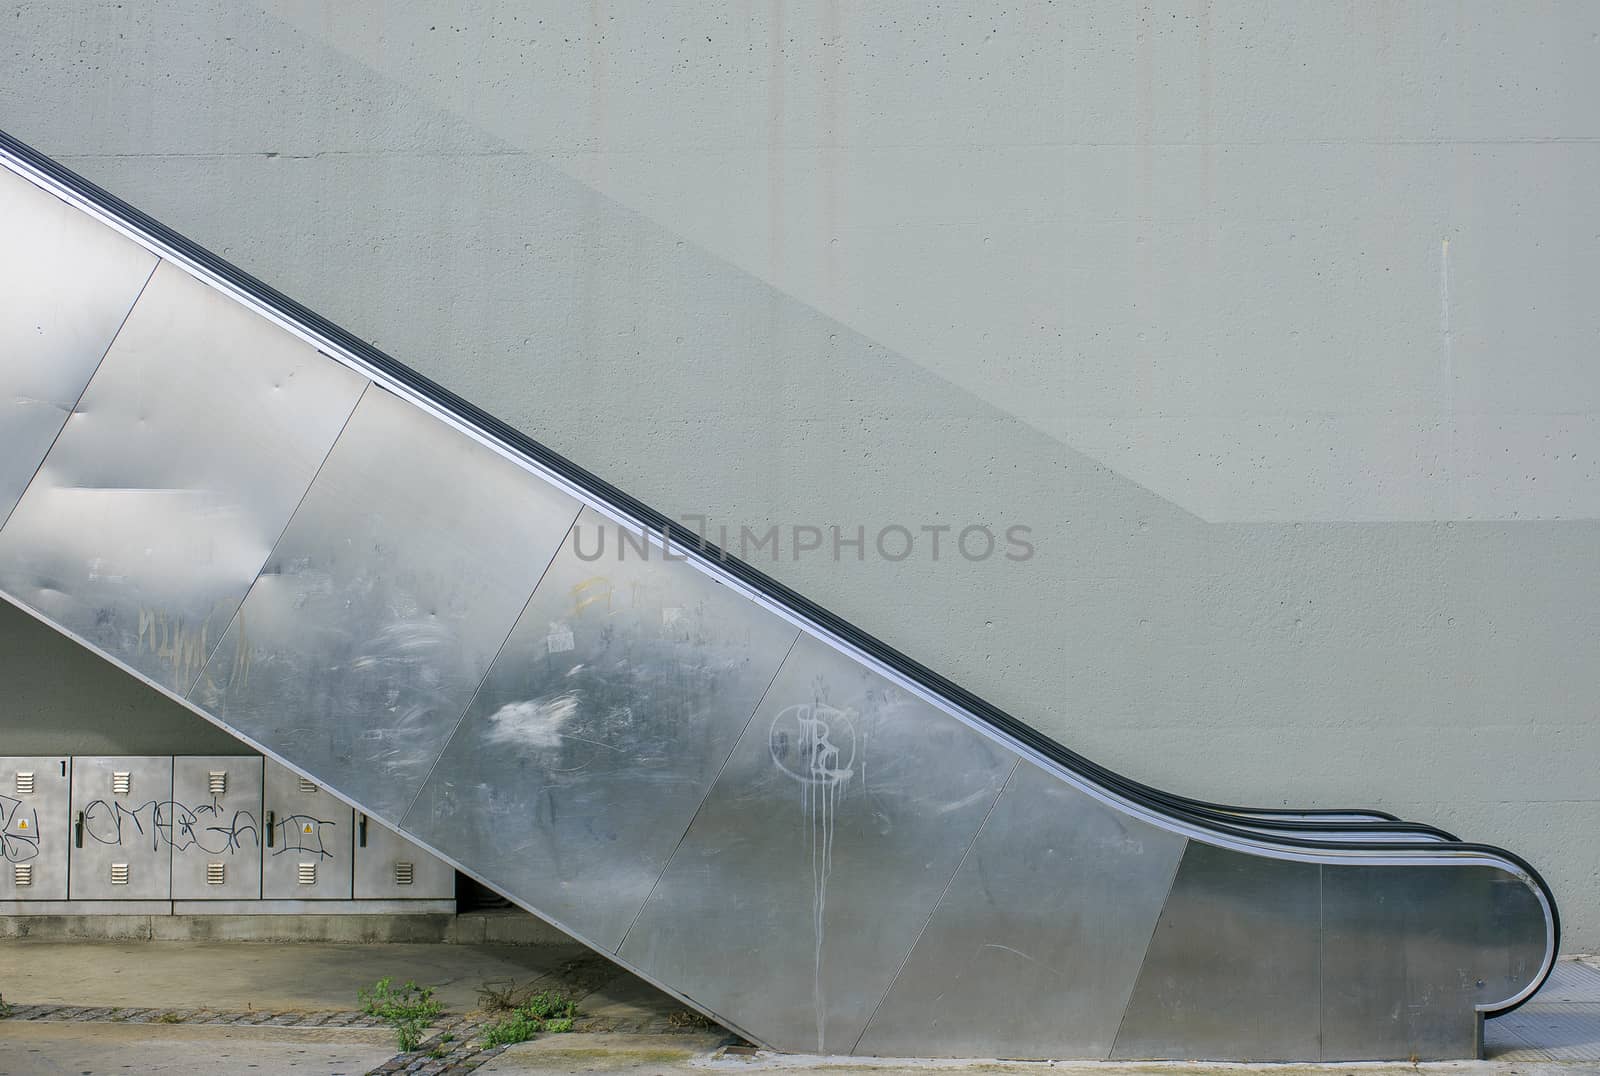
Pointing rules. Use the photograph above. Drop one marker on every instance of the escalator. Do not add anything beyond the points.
(687, 766)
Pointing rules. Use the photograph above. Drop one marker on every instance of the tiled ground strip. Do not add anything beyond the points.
(1559, 1023)
(253, 1018)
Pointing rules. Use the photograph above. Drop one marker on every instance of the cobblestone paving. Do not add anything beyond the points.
(252, 1018)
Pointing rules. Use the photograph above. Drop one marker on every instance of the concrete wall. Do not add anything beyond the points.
(1274, 323)
(58, 699)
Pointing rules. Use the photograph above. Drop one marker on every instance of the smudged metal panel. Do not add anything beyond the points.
(1445, 941)
(1034, 950)
(380, 611)
(599, 731)
(819, 853)
(163, 495)
(1232, 969)
(66, 283)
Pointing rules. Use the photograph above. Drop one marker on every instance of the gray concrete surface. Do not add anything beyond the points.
(496, 927)
(1275, 324)
(310, 976)
(624, 1022)
(44, 1049)
(569, 1054)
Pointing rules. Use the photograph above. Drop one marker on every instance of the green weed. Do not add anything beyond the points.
(409, 1009)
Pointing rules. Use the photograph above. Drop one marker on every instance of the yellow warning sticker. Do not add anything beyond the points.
(307, 828)
(22, 823)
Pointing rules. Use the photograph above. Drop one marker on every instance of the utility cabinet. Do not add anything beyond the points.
(310, 840)
(35, 800)
(212, 834)
(122, 818)
(390, 867)
(216, 827)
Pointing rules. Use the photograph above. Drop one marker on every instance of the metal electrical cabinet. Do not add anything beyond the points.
(309, 840)
(390, 867)
(121, 828)
(216, 827)
(34, 827)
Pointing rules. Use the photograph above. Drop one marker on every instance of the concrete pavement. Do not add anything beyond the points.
(120, 996)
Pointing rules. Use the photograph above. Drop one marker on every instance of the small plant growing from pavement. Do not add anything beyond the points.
(409, 1009)
(547, 1011)
(5, 1008)
(502, 995)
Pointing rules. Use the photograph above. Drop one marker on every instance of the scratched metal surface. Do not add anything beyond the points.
(301, 826)
(1451, 939)
(216, 827)
(397, 580)
(1056, 900)
(34, 829)
(164, 493)
(67, 281)
(1231, 972)
(819, 853)
(132, 828)
(599, 730)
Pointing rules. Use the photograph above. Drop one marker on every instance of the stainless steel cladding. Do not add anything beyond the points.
(1057, 899)
(398, 578)
(190, 448)
(726, 789)
(824, 845)
(68, 282)
(597, 734)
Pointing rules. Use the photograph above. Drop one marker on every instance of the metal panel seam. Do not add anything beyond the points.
(276, 542)
(487, 669)
(962, 862)
(1322, 942)
(710, 787)
(85, 390)
(1133, 987)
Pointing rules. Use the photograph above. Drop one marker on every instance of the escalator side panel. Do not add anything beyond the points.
(599, 730)
(66, 283)
(1232, 971)
(1035, 949)
(1412, 936)
(167, 488)
(381, 609)
(819, 854)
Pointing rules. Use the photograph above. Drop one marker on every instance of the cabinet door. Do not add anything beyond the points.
(309, 840)
(122, 818)
(35, 826)
(390, 867)
(216, 831)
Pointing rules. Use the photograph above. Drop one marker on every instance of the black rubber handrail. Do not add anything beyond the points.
(1223, 821)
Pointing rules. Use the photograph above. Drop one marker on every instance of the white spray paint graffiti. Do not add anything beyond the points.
(815, 744)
